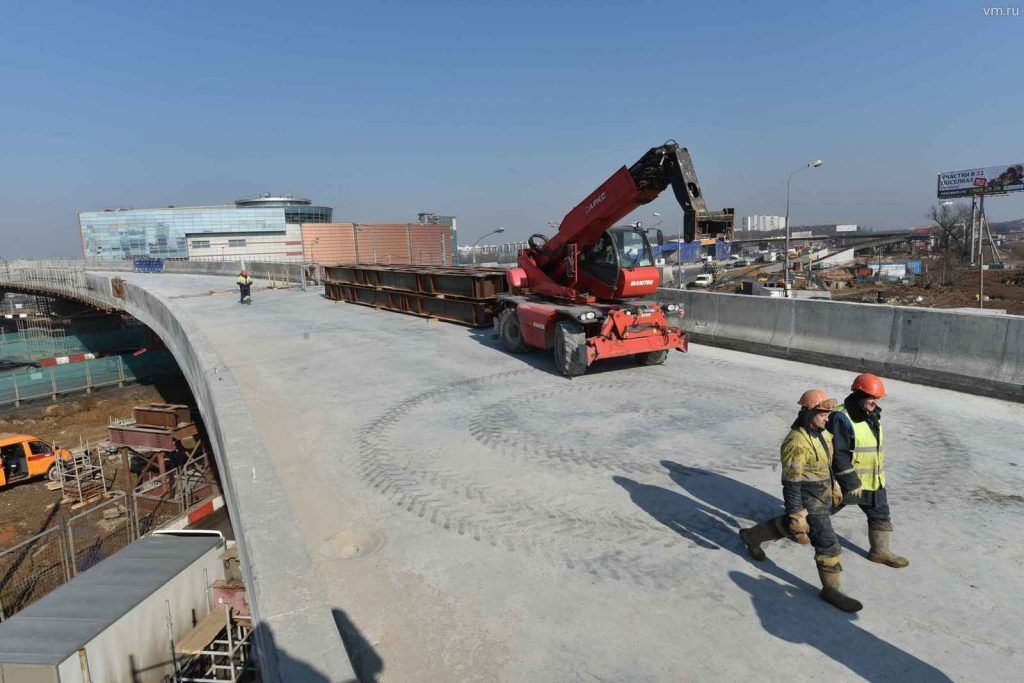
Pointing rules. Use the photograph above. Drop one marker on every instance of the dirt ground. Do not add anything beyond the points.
(1008, 297)
(29, 507)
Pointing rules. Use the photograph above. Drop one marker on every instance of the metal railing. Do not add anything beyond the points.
(55, 380)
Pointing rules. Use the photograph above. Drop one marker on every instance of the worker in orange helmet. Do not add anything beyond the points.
(859, 463)
(810, 495)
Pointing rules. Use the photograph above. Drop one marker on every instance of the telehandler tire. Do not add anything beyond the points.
(570, 345)
(511, 335)
(651, 357)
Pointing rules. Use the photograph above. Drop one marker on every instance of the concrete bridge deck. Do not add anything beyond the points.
(472, 516)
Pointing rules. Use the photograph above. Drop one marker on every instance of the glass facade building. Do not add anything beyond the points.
(124, 234)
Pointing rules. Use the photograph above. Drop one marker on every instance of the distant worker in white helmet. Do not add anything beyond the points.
(809, 494)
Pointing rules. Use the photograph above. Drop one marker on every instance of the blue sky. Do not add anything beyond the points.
(504, 114)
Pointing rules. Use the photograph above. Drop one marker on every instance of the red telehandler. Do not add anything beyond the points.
(574, 293)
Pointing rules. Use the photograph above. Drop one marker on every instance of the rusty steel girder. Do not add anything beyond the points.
(141, 436)
(164, 415)
(462, 281)
(476, 313)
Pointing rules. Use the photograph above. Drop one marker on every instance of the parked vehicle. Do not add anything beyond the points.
(704, 280)
(27, 457)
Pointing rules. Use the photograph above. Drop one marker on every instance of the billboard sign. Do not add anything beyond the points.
(846, 228)
(981, 181)
(799, 234)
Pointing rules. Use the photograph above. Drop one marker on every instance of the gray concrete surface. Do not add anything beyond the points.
(962, 351)
(470, 515)
(464, 514)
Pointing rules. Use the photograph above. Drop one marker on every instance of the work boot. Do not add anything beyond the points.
(755, 536)
(879, 535)
(831, 574)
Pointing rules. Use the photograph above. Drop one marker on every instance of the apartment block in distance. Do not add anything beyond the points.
(764, 223)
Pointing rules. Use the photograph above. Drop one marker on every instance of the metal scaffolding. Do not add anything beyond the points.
(218, 649)
(81, 476)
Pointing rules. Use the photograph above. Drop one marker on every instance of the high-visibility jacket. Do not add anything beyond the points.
(806, 470)
(805, 457)
(243, 280)
(868, 456)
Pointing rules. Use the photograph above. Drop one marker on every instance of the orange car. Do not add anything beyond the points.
(26, 457)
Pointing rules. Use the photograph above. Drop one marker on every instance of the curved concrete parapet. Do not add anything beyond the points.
(974, 353)
(297, 636)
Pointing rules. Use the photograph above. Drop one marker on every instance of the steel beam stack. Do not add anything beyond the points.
(461, 294)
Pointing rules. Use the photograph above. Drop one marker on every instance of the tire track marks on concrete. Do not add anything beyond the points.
(447, 499)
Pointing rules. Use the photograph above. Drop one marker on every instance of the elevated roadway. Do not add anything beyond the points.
(468, 515)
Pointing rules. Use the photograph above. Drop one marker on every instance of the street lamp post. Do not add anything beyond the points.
(312, 257)
(814, 164)
(498, 231)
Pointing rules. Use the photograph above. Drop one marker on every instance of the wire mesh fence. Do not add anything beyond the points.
(99, 532)
(38, 565)
(33, 568)
(157, 502)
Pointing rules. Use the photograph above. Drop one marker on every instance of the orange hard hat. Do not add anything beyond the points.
(816, 399)
(869, 384)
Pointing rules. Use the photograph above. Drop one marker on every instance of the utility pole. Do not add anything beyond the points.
(981, 252)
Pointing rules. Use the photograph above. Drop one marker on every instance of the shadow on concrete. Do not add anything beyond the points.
(788, 606)
(783, 614)
(291, 670)
(365, 661)
(287, 668)
(735, 498)
(541, 359)
(705, 526)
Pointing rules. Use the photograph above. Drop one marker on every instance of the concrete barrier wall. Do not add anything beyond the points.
(296, 632)
(979, 354)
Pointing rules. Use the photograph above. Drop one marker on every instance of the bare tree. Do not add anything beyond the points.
(953, 222)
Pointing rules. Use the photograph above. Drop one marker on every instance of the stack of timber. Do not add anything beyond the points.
(461, 294)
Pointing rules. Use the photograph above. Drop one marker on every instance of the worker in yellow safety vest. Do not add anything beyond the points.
(244, 283)
(809, 496)
(859, 463)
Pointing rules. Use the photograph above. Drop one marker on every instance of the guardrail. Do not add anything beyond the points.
(61, 277)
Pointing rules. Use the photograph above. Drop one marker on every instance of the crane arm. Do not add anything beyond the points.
(628, 188)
